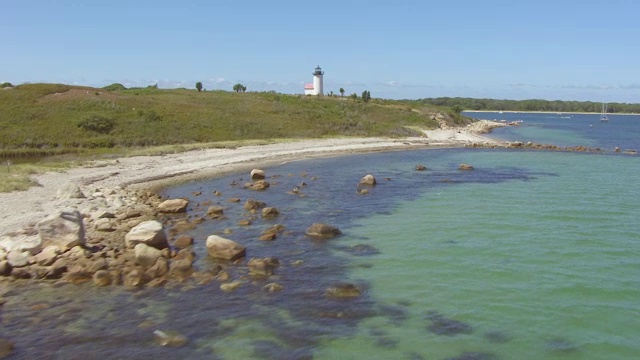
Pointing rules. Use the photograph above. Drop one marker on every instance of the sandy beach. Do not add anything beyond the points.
(106, 180)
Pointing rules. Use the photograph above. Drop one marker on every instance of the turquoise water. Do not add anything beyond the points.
(532, 255)
(541, 269)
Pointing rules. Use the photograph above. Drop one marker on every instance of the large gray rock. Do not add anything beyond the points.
(257, 174)
(368, 180)
(63, 229)
(146, 255)
(18, 258)
(173, 206)
(221, 248)
(32, 244)
(70, 191)
(149, 233)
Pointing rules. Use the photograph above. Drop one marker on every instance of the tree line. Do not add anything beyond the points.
(530, 105)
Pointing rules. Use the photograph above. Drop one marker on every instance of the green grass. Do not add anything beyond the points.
(19, 176)
(43, 119)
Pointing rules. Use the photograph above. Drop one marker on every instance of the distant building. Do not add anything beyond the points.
(315, 88)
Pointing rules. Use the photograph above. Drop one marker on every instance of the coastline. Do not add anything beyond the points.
(544, 112)
(106, 180)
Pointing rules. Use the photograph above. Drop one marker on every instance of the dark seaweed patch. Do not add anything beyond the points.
(441, 325)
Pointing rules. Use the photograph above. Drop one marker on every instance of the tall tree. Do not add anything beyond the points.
(341, 92)
(366, 96)
(199, 86)
(239, 87)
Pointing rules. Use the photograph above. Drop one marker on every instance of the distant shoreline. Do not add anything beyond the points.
(543, 112)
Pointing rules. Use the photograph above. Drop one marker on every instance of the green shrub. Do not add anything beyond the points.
(97, 123)
(5, 85)
(114, 87)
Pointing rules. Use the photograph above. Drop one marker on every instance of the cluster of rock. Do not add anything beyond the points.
(113, 237)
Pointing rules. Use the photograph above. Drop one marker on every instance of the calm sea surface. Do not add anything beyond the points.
(532, 255)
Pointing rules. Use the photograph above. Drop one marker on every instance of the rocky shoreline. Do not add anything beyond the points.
(116, 233)
(109, 228)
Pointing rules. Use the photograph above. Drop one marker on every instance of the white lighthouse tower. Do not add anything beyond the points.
(316, 87)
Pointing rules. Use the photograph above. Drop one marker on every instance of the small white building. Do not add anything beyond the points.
(315, 88)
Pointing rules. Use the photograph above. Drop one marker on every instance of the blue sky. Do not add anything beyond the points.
(567, 50)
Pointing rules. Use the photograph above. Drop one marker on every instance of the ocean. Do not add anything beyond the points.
(531, 255)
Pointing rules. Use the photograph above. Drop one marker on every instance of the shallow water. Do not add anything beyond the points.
(532, 255)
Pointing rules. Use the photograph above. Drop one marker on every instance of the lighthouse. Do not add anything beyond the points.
(315, 88)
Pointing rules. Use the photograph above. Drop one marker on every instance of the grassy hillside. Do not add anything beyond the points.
(56, 118)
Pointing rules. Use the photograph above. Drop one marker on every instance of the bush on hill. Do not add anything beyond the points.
(5, 85)
(97, 123)
(114, 87)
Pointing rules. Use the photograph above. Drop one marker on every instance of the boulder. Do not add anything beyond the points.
(17, 258)
(70, 191)
(272, 287)
(134, 279)
(173, 206)
(104, 224)
(6, 347)
(215, 211)
(64, 229)
(47, 256)
(148, 233)
(420, 167)
(30, 243)
(170, 339)
(270, 212)
(257, 174)
(323, 231)
(465, 167)
(259, 185)
(159, 269)
(102, 278)
(343, 291)
(253, 204)
(262, 267)
(219, 247)
(232, 286)
(5, 268)
(146, 255)
(55, 270)
(181, 267)
(183, 241)
(368, 180)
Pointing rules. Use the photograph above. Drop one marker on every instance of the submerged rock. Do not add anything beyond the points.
(253, 204)
(6, 347)
(322, 231)
(169, 339)
(465, 167)
(444, 326)
(270, 212)
(343, 291)
(475, 356)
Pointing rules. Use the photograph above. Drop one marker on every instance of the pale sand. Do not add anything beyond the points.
(22, 209)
